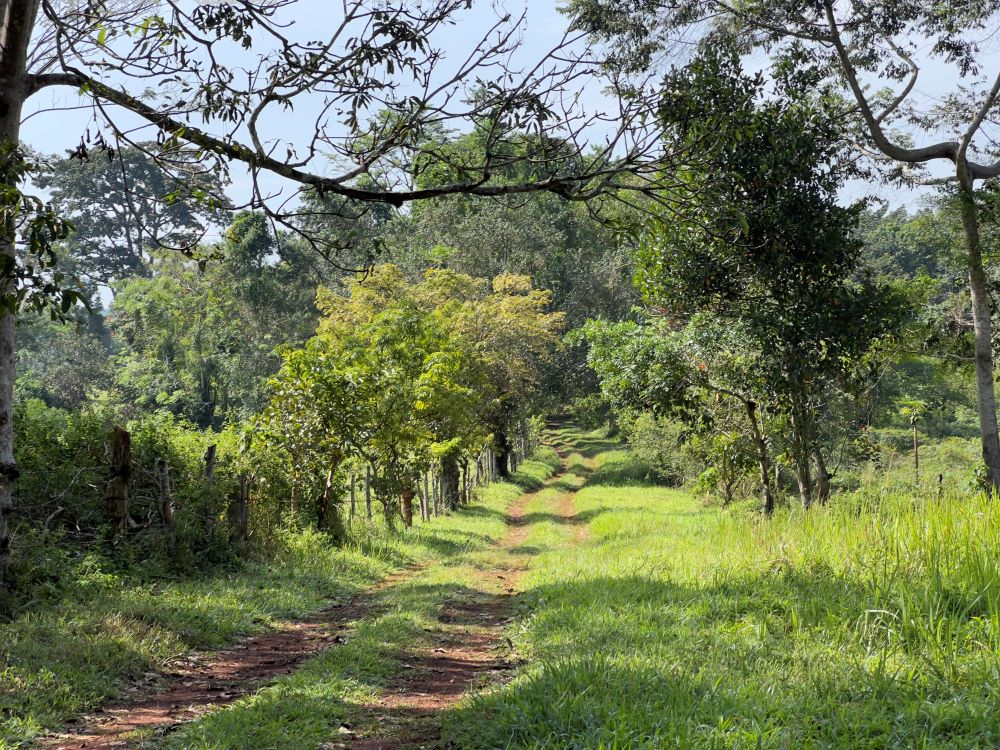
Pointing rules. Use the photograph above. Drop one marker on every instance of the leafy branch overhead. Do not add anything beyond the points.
(375, 87)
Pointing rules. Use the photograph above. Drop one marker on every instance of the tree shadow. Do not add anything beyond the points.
(782, 658)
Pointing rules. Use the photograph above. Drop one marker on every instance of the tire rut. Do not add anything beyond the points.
(196, 683)
(465, 657)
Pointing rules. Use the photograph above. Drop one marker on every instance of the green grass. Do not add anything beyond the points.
(65, 658)
(649, 620)
(678, 625)
(307, 708)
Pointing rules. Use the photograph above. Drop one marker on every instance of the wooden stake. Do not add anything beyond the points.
(121, 473)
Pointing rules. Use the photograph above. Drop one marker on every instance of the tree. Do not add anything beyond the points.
(844, 47)
(767, 250)
(755, 278)
(202, 338)
(124, 206)
(376, 84)
(515, 335)
(417, 379)
(63, 365)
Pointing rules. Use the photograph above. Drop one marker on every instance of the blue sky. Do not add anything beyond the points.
(60, 130)
(55, 132)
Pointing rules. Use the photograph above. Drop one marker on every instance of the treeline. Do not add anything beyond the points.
(210, 396)
(408, 390)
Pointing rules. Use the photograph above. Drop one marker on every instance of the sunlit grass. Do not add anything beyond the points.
(680, 625)
(64, 658)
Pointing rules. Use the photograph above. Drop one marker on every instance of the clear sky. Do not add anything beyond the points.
(57, 131)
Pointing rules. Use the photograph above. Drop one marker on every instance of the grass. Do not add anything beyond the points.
(307, 708)
(648, 620)
(673, 624)
(68, 657)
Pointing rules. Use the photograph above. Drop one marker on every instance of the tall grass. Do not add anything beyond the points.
(872, 624)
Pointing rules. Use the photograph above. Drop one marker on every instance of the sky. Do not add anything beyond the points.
(58, 131)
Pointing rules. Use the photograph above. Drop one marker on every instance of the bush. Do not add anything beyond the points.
(657, 444)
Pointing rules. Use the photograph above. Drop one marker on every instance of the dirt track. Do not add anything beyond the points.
(465, 653)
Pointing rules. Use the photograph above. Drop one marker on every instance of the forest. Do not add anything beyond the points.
(387, 375)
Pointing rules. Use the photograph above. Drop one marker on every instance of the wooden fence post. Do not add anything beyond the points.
(239, 511)
(435, 490)
(121, 473)
(211, 461)
(368, 491)
(166, 504)
(353, 509)
(427, 493)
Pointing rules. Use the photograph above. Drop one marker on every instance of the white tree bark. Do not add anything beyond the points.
(17, 19)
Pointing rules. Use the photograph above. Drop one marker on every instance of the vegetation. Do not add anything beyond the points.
(675, 624)
(219, 416)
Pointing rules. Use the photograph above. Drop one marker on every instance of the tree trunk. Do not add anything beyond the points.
(822, 476)
(353, 500)
(983, 327)
(502, 456)
(328, 514)
(121, 473)
(211, 460)
(17, 20)
(763, 458)
(323, 504)
(800, 455)
(450, 478)
(427, 492)
(916, 454)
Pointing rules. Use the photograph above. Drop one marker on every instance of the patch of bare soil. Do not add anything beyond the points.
(196, 683)
(467, 653)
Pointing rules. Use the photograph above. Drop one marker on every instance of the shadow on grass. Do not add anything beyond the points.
(767, 660)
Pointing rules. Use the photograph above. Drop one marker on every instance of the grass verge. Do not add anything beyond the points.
(673, 624)
(112, 632)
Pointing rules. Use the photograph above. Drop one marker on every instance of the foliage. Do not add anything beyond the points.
(405, 375)
(124, 206)
(201, 339)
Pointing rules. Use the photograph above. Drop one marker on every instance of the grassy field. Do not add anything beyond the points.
(670, 624)
(647, 620)
(113, 633)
